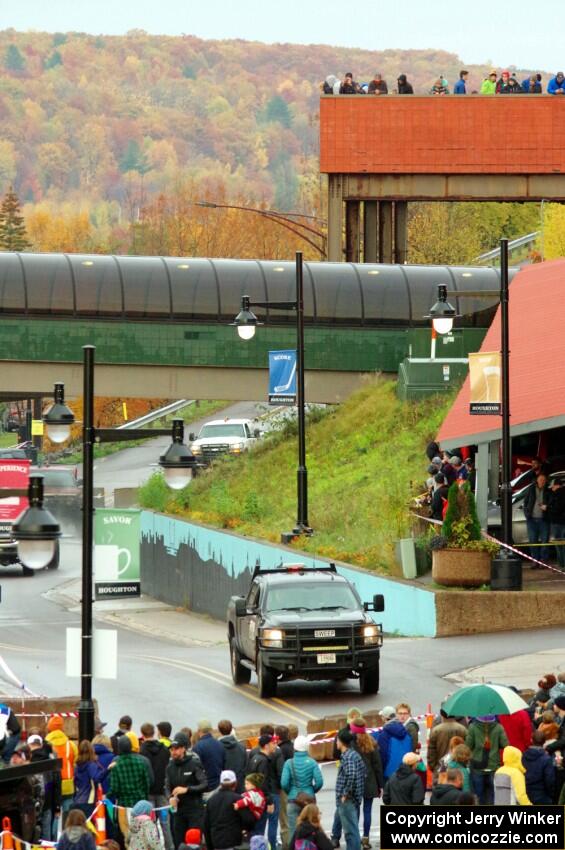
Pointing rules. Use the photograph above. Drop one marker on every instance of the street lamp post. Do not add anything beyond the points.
(506, 567)
(35, 530)
(179, 465)
(246, 322)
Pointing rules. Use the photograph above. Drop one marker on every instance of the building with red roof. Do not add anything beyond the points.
(537, 376)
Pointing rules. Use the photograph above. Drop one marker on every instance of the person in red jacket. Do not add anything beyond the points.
(518, 728)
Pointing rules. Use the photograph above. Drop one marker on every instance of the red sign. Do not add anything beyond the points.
(13, 473)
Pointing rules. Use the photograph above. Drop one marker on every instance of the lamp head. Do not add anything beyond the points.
(442, 313)
(178, 463)
(246, 320)
(58, 418)
(36, 529)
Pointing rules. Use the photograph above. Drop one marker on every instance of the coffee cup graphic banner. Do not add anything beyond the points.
(116, 553)
(485, 378)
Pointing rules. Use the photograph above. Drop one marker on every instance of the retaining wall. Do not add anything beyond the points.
(192, 565)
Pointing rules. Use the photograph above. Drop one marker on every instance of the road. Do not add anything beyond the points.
(131, 467)
(160, 677)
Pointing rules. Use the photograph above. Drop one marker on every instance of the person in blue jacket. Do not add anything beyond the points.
(89, 773)
(532, 85)
(394, 742)
(540, 773)
(460, 86)
(557, 84)
(105, 755)
(211, 753)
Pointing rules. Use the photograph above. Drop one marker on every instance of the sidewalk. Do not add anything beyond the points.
(149, 616)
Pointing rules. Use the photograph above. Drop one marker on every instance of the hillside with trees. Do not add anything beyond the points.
(109, 141)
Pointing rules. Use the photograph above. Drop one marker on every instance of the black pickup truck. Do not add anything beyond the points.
(303, 623)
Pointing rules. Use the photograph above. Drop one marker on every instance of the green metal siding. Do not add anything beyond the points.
(144, 343)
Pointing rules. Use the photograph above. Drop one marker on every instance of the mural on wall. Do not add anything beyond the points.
(199, 568)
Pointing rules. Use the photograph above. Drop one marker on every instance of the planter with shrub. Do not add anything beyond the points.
(460, 555)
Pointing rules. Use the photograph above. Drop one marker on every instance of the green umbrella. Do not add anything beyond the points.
(478, 699)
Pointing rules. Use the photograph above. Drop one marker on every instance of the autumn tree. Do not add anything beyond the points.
(13, 236)
(552, 237)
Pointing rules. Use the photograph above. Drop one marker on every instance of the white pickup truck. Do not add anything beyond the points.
(224, 436)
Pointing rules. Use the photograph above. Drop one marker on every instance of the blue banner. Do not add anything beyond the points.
(282, 377)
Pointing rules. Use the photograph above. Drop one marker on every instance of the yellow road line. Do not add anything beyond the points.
(184, 665)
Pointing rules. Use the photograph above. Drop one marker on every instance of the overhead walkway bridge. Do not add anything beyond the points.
(162, 324)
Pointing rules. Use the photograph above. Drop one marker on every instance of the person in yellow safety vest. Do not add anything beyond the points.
(66, 750)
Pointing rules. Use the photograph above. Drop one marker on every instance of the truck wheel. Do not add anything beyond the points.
(369, 681)
(241, 675)
(27, 571)
(266, 681)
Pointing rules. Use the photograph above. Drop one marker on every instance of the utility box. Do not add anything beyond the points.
(422, 376)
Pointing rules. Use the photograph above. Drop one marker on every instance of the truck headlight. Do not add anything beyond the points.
(236, 448)
(370, 634)
(196, 450)
(273, 638)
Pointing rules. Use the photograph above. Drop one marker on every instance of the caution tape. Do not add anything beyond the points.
(512, 548)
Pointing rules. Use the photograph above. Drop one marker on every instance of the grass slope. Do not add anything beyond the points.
(365, 459)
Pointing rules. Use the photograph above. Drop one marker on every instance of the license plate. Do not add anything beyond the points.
(323, 633)
(326, 658)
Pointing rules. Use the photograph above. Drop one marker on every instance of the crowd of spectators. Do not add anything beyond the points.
(207, 788)
(496, 82)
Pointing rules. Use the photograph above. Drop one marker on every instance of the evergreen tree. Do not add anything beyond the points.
(13, 235)
(277, 110)
(53, 60)
(13, 59)
(134, 159)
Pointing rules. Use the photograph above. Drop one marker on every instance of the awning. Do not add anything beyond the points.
(537, 361)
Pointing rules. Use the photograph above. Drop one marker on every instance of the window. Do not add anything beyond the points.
(49, 283)
(146, 286)
(98, 285)
(385, 295)
(12, 292)
(253, 595)
(281, 286)
(312, 597)
(338, 294)
(194, 289)
(423, 282)
(237, 278)
(223, 430)
(475, 312)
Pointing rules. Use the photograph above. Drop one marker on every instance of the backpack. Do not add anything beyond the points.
(304, 844)
(258, 763)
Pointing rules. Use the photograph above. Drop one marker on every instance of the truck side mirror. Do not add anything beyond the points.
(378, 602)
(256, 432)
(240, 607)
(192, 436)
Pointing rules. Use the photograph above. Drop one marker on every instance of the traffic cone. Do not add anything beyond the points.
(7, 837)
(429, 724)
(100, 816)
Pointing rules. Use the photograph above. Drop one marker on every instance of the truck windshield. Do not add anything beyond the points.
(58, 478)
(312, 597)
(223, 430)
